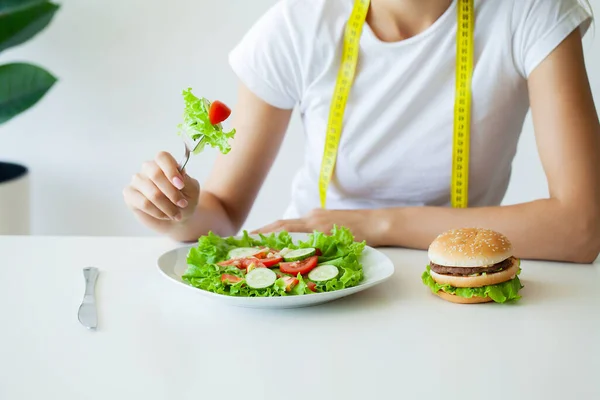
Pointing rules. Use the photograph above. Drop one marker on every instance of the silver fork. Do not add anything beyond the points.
(189, 149)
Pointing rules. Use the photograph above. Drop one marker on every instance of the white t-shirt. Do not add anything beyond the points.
(396, 144)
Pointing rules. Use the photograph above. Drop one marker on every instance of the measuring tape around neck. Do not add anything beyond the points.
(459, 186)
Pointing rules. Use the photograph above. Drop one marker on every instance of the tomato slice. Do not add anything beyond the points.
(290, 282)
(263, 254)
(318, 252)
(250, 263)
(312, 286)
(243, 263)
(271, 262)
(218, 112)
(231, 279)
(279, 274)
(295, 267)
(248, 260)
(237, 262)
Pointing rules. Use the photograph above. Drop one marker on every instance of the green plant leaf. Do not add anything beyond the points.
(10, 6)
(19, 26)
(21, 86)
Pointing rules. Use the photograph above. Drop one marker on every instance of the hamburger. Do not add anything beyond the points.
(472, 265)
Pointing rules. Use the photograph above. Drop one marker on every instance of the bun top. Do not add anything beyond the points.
(470, 247)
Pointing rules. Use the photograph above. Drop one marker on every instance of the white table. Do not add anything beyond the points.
(395, 341)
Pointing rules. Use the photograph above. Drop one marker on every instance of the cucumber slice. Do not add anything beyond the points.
(260, 278)
(243, 252)
(323, 273)
(283, 252)
(300, 254)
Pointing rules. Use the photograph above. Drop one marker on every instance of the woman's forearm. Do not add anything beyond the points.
(210, 216)
(542, 229)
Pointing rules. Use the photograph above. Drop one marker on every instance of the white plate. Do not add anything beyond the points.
(377, 267)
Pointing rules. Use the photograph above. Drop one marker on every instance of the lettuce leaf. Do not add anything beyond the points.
(301, 287)
(338, 249)
(245, 241)
(208, 277)
(337, 245)
(211, 249)
(500, 293)
(351, 273)
(278, 241)
(196, 124)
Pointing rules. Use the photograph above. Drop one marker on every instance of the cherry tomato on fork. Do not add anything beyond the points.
(218, 112)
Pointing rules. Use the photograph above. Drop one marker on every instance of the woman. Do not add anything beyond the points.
(392, 179)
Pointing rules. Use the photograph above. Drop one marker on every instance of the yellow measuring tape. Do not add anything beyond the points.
(462, 108)
(340, 94)
(459, 194)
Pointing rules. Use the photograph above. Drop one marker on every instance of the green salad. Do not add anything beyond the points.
(274, 265)
(202, 120)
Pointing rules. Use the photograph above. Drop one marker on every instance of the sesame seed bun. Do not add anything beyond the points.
(463, 300)
(477, 281)
(470, 247)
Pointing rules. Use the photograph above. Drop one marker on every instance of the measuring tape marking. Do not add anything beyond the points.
(343, 85)
(459, 192)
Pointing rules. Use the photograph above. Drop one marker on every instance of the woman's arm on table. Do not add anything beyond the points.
(563, 227)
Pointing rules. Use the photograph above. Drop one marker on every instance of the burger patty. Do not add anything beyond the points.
(466, 271)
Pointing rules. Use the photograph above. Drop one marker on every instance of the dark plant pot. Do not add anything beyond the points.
(14, 199)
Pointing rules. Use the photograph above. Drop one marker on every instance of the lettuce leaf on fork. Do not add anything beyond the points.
(196, 124)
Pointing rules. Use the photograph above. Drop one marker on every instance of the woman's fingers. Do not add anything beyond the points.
(169, 167)
(139, 202)
(161, 191)
(290, 225)
(151, 192)
(156, 174)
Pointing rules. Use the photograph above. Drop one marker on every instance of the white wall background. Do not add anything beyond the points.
(122, 65)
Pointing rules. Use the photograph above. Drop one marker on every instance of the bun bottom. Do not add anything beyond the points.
(462, 300)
